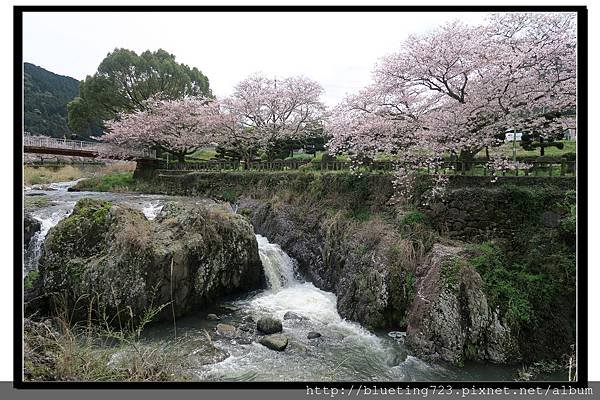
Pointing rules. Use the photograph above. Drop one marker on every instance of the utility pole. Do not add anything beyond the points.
(514, 144)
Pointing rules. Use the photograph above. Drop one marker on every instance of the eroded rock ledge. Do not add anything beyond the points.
(450, 317)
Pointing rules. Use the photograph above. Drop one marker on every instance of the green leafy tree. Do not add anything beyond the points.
(125, 80)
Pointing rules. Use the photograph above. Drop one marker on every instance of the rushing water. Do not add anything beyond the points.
(59, 202)
(345, 350)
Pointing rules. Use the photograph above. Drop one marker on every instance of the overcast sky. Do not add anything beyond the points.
(338, 50)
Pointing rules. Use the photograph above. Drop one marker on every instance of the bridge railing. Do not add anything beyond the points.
(55, 143)
(105, 150)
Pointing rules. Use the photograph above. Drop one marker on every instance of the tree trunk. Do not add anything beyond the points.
(466, 159)
(541, 146)
(181, 157)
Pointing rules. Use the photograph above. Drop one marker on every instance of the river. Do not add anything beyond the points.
(345, 351)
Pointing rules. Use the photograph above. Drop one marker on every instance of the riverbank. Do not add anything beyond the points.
(508, 246)
(321, 344)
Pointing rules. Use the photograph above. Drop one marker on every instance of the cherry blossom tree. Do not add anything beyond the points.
(179, 127)
(457, 89)
(262, 111)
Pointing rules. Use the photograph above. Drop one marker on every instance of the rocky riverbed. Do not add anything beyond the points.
(332, 306)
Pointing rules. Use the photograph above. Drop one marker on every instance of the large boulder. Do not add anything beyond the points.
(450, 317)
(111, 258)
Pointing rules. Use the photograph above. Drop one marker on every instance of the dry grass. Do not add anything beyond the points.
(59, 350)
(45, 175)
(56, 351)
(135, 234)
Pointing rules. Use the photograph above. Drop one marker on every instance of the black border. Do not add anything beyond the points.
(582, 182)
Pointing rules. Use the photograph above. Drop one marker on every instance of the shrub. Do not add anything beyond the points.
(30, 279)
(412, 218)
(508, 288)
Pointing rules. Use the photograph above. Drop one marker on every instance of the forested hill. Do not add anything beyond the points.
(46, 97)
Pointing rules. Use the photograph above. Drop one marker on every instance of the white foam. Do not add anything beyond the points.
(151, 209)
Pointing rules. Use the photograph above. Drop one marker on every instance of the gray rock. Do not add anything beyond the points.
(293, 315)
(226, 330)
(212, 317)
(269, 325)
(550, 219)
(275, 342)
(313, 335)
(30, 227)
(228, 308)
(244, 340)
(451, 319)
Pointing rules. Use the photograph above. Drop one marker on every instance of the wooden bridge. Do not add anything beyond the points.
(78, 148)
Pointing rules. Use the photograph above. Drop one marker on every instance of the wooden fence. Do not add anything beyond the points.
(477, 168)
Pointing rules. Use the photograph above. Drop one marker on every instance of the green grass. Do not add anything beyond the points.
(305, 156)
(203, 154)
(506, 149)
(513, 287)
(412, 218)
(115, 182)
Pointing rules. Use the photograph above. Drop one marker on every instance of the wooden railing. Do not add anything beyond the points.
(562, 167)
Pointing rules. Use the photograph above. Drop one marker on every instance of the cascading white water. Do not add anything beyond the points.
(278, 266)
(47, 221)
(152, 209)
(286, 293)
(345, 349)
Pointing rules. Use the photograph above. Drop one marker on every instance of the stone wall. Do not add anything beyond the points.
(473, 208)
(476, 210)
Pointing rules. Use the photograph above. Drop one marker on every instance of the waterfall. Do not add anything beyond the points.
(47, 221)
(278, 266)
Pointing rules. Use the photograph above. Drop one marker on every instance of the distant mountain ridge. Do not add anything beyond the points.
(46, 95)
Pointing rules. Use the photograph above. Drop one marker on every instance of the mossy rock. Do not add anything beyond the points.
(110, 259)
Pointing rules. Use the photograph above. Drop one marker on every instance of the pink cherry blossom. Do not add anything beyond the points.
(457, 89)
(179, 127)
